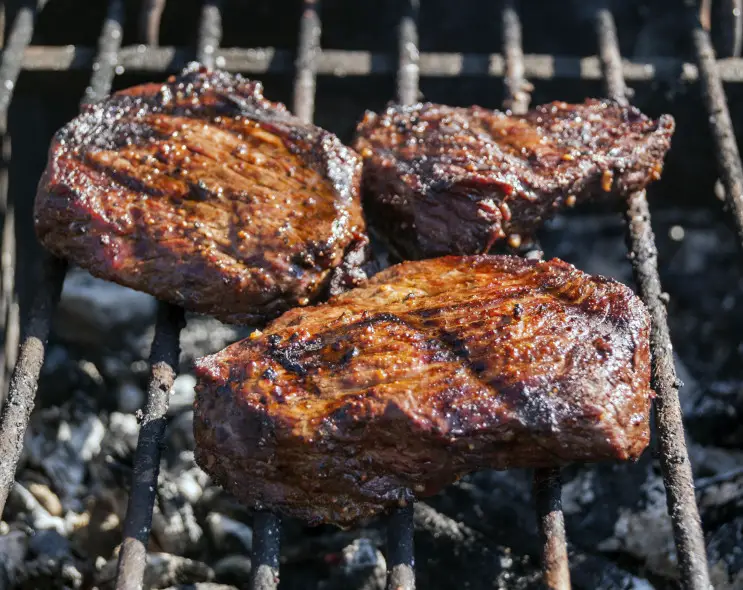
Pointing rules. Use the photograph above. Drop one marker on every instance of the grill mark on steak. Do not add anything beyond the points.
(445, 180)
(432, 370)
(205, 194)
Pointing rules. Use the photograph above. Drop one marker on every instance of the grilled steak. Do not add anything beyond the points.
(432, 370)
(205, 194)
(443, 180)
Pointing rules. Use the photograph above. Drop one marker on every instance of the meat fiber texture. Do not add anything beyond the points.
(444, 180)
(205, 194)
(434, 369)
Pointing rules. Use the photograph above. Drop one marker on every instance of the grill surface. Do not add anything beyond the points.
(409, 65)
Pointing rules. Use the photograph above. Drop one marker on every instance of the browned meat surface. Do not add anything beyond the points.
(205, 194)
(443, 180)
(434, 369)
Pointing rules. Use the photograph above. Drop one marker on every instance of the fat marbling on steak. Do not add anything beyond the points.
(445, 180)
(432, 370)
(205, 194)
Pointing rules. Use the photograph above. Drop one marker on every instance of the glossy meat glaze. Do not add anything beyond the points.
(432, 370)
(205, 194)
(445, 180)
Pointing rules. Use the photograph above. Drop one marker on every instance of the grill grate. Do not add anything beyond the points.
(515, 68)
(674, 458)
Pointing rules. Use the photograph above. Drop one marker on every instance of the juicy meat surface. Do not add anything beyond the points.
(205, 194)
(445, 180)
(433, 369)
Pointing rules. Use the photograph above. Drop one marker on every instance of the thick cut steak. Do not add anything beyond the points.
(444, 180)
(434, 369)
(205, 194)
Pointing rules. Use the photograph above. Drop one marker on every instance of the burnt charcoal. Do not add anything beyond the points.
(361, 566)
(183, 394)
(64, 458)
(717, 417)
(203, 193)
(446, 180)
(48, 543)
(720, 498)
(50, 574)
(233, 570)
(162, 570)
(46, 497)
(725, 556)
(324, 415)
(493, 503)
(174, 525)
(96, 314)
(13, 550)
(229, 535)
(456, 553)
(29, 510)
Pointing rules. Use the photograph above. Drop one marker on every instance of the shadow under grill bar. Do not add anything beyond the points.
(674, 458)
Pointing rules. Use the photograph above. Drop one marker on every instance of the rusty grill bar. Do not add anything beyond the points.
(547, 484)
(674, 458)
(15, 46)
(311, 60)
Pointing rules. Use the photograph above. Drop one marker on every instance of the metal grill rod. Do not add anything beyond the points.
(149, 21)
(310, 31)
(164, 364)
(267, 526)
(548, 500)
(400, 550)
(210, 33)
(343, 63)
(20, 36)
(547, 484)
(408, 70)
(25, 378)
(674, 458)
(728, 155)
(266, 546)
(400, 526)
(517, 88)
(108, 51)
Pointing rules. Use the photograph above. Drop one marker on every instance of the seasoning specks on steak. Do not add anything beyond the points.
(434, 369)
(444, 180)
(205, 194)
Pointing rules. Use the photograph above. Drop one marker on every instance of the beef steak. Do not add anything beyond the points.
(205, 194)
(444, 180)
(434, 369)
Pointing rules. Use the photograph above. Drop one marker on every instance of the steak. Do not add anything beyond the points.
(434, 369)
(205, 194)
(443, 180)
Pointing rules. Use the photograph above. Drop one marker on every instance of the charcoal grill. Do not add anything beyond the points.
(409, 64)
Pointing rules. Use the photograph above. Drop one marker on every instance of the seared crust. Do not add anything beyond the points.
(205, 194)
(444, 180)
(434, 369)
